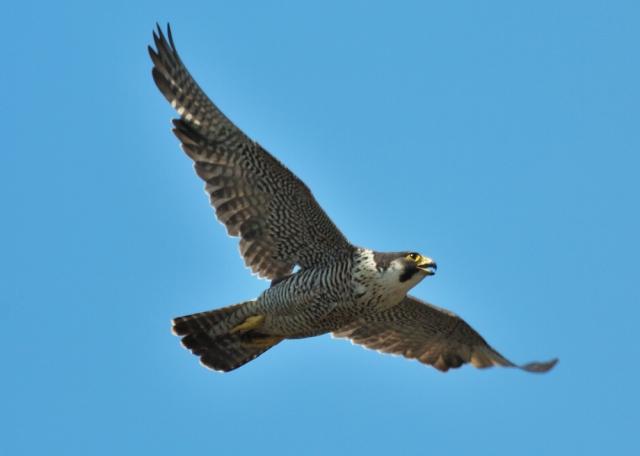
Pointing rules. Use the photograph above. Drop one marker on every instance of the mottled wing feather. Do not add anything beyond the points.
(418, 330)
(279, 222)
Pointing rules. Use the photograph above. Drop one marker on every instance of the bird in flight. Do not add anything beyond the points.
(352, 292)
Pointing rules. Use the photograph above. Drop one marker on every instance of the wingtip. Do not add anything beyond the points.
(158, 29)
(164, 40)
(170, 36)
(540, 368)
(154, 55)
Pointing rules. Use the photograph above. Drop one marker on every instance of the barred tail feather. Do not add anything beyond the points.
(207, 335)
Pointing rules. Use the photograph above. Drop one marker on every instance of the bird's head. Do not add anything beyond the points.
(407, 268)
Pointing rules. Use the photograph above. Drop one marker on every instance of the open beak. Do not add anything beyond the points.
(427, 265)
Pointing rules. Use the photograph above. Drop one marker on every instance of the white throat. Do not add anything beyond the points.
(381, 288)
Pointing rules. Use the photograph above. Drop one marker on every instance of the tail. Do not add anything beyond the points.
(224, 339)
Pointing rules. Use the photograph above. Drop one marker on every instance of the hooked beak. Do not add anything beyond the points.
(427, 265)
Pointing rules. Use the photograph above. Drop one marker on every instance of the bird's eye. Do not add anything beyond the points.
(413, 256)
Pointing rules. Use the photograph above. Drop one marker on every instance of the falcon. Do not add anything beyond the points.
(320, 282)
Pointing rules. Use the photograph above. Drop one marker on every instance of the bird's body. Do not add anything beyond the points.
(324, 299)
(350, 291)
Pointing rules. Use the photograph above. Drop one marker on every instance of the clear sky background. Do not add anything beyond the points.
(500, 138)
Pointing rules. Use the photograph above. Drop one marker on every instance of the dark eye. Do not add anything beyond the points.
(413, 256)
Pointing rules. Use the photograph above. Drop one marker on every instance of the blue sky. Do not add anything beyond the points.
(500, 138)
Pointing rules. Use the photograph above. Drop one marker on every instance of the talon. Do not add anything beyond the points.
(250, 323)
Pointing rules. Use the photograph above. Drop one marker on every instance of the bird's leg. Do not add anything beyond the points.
(263, 341)
(250, 323)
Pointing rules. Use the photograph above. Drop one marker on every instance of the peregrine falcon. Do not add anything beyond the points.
(320, 282)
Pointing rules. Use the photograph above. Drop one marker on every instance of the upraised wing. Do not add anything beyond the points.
(418, 330)
(278, 220)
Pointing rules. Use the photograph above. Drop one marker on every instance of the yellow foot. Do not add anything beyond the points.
(263, 342)
(250, 323)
